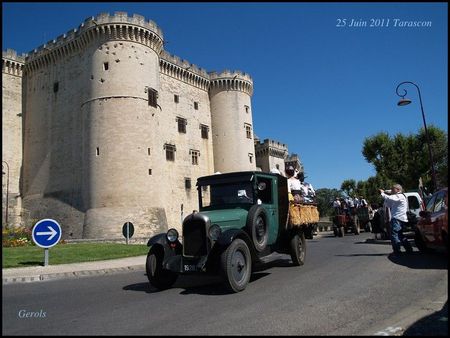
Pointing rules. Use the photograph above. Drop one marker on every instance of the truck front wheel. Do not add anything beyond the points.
(236, 265)
(298, 249)
(158, 277)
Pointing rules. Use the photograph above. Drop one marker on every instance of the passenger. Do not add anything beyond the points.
(337, 206)
(294, 186)
(309, 194)
(363, 202)
(276, 170)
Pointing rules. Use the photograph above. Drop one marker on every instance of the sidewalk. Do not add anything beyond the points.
(74, 270)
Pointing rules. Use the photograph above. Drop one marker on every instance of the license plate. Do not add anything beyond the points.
(190, 267)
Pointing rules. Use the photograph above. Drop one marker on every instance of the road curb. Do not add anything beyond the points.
(72, 274)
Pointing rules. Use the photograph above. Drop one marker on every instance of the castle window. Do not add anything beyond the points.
(204, 130)
(247, 109)
(148, 151)
(152, 97)
(170, 151)
(55, 87)
(194, 155)
(176, 98)
(187, 183)
(250, 157)
(97, 151)
(181, 125)
(196, 105)
(105, 65)
(248, 130)
(149, 171)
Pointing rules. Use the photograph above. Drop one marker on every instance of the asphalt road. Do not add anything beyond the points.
(348, 286)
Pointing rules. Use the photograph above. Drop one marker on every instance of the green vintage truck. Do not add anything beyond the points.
(242, 217)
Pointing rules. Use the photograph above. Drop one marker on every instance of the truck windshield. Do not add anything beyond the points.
(226, 194)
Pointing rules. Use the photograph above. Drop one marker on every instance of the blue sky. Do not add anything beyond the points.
(320, 88)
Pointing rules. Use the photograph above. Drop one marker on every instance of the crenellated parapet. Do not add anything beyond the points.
(183, 70)
(12, 63)
(271, 148)
(228, 80)
(104, 27)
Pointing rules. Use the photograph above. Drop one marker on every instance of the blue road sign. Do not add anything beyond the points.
(46, 233)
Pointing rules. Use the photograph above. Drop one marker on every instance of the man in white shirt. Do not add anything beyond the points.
(398, 205)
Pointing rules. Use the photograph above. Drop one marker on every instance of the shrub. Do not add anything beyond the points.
(16, 236)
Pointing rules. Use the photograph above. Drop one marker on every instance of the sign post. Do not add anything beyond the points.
(46, 233)
(128, 230)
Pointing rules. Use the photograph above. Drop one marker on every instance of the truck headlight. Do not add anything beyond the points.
(172, 235)
(214, 232)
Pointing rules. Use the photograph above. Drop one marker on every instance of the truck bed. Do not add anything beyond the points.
(302, 214)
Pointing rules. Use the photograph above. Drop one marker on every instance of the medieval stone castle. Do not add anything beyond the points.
(102, 126)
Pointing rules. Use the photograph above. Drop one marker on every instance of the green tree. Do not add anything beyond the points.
(405, 159)
(349, 187)
(439, 144)
(325, 198)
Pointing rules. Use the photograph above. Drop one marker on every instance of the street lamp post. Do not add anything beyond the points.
(7, 190)
(404, 102)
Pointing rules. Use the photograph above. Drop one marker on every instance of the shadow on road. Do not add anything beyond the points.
(375, 241)
(368, 255)
(419, 260)
(213, 285)
(435, 324)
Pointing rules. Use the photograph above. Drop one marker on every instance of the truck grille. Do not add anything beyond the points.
(194, 238)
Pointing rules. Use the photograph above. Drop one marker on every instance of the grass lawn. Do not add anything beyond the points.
(69, 253)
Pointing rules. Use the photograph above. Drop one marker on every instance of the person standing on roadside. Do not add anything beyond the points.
(398, 205)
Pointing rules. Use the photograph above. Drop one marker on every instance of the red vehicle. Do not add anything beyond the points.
(343, 223)
(432, 228)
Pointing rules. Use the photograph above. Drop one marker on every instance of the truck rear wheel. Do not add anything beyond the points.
(157, 276)
(236, 265)
(298, 249)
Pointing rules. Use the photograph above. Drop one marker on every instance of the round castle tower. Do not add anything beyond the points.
(88, 138)
(118, 127)
(231, 119)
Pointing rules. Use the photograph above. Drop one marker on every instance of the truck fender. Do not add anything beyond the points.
(157, 239)
(229, 236)
(161, 240)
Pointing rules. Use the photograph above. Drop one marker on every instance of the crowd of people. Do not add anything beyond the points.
(387, 219)
(349, 205)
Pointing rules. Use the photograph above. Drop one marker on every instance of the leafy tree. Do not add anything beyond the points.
(439, 147)
(325, 198)
(349, 187)
(405, 159)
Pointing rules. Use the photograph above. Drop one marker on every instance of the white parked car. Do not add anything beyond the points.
(415, 206)
(415, 202)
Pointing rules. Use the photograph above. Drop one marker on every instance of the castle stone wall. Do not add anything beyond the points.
(173, 174)
(95, 148)
(12, 66)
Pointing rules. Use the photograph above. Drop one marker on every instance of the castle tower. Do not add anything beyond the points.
(118, 125)
(89, 132)
(232, 124)
(271, 154)
(12, 67)
(294, 161)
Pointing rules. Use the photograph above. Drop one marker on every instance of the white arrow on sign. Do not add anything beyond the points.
(52, 233)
